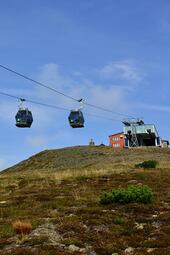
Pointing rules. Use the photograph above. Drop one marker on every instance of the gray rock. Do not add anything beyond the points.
(149, 250)
(83, 250)
(129, 250)
(73, 248)
(101, 228)
(139, 225)
(46, 230)
(132, 181)
(89, 250)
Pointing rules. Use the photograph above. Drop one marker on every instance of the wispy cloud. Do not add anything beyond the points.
(78, 87)
(122, 70)
(113, 97)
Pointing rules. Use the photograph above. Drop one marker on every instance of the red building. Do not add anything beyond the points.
(117, 141)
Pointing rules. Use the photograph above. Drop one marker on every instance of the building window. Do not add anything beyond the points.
(116, 138)
(116, 145)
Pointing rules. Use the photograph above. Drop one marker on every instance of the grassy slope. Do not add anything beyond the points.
(62, 188)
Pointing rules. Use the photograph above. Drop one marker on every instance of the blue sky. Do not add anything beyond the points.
(113, 53)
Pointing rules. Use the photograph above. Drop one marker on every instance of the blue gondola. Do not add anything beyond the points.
(76, 119)
(24, 118)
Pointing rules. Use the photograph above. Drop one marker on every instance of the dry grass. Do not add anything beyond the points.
(51, 187)
(22, 227)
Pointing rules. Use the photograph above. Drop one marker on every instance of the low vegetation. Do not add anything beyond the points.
(57, 192)
(131, 194)
(147, 164)
(118, 220)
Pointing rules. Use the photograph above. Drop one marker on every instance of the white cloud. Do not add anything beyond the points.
(123, 70)
(50, 75)
(110, 97)
(114, 97)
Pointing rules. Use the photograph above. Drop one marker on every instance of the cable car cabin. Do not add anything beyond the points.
(23, 118)
(76, 119)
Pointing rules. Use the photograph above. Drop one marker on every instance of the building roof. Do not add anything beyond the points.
(142, 129)
(117, 134)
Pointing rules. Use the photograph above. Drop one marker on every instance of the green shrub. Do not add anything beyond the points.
(147, 164)
(131, 194)
(118, 220)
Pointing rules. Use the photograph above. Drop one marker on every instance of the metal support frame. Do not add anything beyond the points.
(134, 140)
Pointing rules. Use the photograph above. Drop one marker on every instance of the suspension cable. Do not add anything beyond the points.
(61, 93)
(52, 106)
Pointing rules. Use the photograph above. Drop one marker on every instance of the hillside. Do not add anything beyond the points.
(58, 191)
(86, 158)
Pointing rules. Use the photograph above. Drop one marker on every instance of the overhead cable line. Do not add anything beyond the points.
(61, 93)
(102, 117)
(107, 110)
(33, 102)
(52, 106)
(38, 83)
